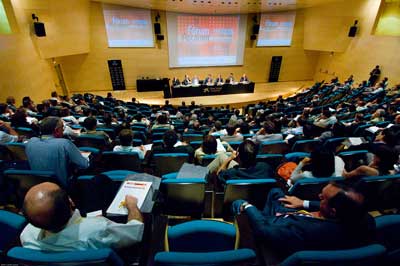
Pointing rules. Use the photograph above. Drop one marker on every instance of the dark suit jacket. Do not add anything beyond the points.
(287, 234)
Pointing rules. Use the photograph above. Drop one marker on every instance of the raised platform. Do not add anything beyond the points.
(262, 92)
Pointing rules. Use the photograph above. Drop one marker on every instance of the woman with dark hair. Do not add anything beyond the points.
(382, 163)
(323, 163)
(208, 147)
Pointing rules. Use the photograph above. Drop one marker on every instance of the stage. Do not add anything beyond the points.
(262, 92)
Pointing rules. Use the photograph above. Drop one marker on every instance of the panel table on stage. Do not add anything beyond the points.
(204, 90)
(151, 84)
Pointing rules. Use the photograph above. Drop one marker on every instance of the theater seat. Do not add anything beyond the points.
(11, 226)
(371, 255)
(25, 256)
(388, 234)
(166, 163)
(203, 242)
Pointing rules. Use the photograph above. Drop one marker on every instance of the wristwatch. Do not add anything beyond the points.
(245, 205)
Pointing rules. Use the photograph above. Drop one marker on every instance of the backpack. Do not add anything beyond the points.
(285, 170)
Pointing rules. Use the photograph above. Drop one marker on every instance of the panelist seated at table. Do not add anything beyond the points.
(195, 81)
(208, 80)
(244, 79)
(230, 79)
(219, 80)
(186, 80)
(175, 82)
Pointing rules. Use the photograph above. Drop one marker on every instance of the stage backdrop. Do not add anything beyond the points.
(205, 40)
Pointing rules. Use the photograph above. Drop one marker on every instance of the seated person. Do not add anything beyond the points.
(244, 79)
(56, 225)
(162, 122)
(195, 80)
(217, 130)
(125, 139)
(219, 79)
(342, 222)
(384, 158)
(208, 147)
(208, 80)
(247, 166)
(230, 79)
(51, 152)
(378, 116)
(90, 125)
(325, 120)
(175, 82)
(169, 145)
(267, 133)
(8, 134)
(232, 135)
(323, 163)
(186, 80)
(195, 128)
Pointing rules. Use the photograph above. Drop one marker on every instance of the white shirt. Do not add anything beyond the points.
(130, 149)
(83, 233)
(5, 138)
(298, 174)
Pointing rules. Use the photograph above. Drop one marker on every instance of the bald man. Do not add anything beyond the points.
(55, 224)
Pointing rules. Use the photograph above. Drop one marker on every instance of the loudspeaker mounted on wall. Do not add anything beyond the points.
(157, 28)
(253, 37)
(353, 29)
(38, 27)
(160, 37)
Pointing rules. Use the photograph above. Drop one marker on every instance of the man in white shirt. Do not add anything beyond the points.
(11, 136)
(54, 225)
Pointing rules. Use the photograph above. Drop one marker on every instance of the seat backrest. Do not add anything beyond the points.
(169, 162)
(382, 192)
(353, 159)
(18, 150)
(121, 160)
(192, 137)
(276, 147)
(23, 180)
(183, 196)
(11, 226)
(388, 234)
(305, 145)
(254, 191)
(296, 156)
(25, 256)
(201, 236)
(333, 143)
(88, 140)
(231, 257)
(310, 188)
(364, 256)
(271, 159)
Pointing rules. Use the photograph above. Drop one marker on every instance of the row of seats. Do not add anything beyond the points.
(205, 243)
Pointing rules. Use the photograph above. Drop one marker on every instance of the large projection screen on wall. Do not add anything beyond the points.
(128, 26)
(205, 40)
(276, 29)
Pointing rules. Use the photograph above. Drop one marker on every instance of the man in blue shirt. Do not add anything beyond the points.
(51, 152)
